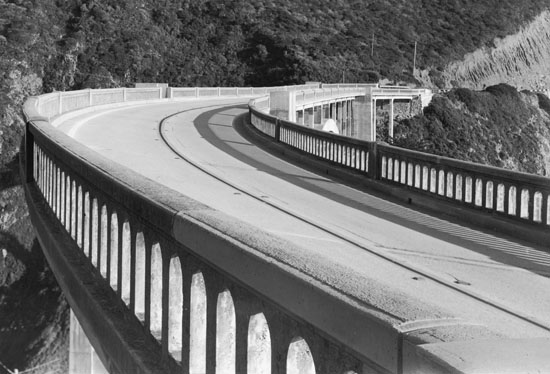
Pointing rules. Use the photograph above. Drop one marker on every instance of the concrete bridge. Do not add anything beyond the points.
(187, 239)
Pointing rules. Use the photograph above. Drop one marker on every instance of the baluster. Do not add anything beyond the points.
(531, 204)
(495, 195)
(544, 208)
(484, 193)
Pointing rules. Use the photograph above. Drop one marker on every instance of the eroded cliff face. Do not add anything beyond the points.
(521, 60)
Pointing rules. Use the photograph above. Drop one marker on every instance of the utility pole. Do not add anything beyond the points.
(372, 46)
(372, 51)
(414, 58)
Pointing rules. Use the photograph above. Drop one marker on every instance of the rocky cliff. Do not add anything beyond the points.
(521, 60)
(498, 126)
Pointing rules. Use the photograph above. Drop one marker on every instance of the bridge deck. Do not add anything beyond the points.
(427, 260)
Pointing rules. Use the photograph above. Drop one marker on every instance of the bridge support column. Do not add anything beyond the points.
(82, 356)
(362, 118)
(390, 124)
(373, 120)
(311, 117)
(337, 111)
(317, 113)
(344, 117)
(283, 105)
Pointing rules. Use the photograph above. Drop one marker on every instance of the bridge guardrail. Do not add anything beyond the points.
(189, 92)
(517, 196)
(177, 265)
(310, 96)
(184, 270)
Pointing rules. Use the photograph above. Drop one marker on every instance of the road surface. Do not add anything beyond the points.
(193, 147)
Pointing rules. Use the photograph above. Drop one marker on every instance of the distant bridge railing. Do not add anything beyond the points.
(400, 91)
(305, 97)
(514, 196)
(163, 284)
(189, 92)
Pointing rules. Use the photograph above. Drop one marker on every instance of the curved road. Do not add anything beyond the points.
(196, 148)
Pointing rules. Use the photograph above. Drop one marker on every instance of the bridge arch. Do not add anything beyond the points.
(114, 249)
(299, 357)
(259, 345)
(175, 308)
(155, 324)
(125, 279)
(139, 275)
(104, 239)
(225, 333)
(197, 325)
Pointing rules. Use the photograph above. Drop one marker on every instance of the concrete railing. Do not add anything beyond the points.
(189, 92)
(54, 104)
(305, 97)
(349, 85)
(400, 91)
(161, 283)
(502, 196)
(514, 195)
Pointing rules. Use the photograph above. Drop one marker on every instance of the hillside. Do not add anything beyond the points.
(498, 126)
(48, 45)
(520, 60)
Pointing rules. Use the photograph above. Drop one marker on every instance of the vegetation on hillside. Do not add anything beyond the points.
(82, 43)
(498, 126)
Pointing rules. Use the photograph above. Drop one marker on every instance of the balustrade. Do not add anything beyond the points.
(202, 318)
(516, 196)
